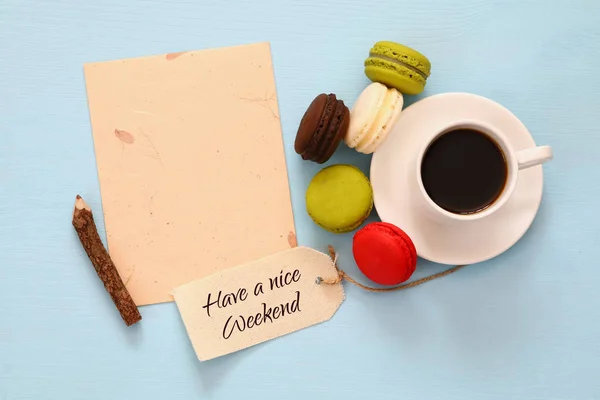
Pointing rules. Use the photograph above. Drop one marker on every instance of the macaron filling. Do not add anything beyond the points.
(399, 62)
(385, 117)
(333, 130)
(396, 66)
(323, 125)
(361, 123)
(402, 54)
(406, 245)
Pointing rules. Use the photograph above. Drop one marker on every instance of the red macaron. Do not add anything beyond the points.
(384, 253)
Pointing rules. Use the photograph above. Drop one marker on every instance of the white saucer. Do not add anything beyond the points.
(468, 242)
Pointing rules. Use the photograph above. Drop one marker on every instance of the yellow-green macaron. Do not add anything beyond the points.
(398, 66)
(339, 198)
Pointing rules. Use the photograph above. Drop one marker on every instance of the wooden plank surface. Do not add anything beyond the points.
(523, 326)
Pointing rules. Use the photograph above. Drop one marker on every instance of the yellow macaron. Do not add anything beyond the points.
(339, 198)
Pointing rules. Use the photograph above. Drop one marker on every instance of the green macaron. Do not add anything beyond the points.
(398, 66)
(339, 198)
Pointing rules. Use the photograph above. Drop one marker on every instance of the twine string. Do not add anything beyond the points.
(341, 275)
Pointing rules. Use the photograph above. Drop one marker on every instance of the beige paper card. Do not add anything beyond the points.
(191, 164)
(258, 301)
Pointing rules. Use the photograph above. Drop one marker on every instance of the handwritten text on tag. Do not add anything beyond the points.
(258, 301)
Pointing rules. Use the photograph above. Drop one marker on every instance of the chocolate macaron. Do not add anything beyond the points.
(322, 128)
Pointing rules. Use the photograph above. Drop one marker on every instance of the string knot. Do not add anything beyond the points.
(340, 274)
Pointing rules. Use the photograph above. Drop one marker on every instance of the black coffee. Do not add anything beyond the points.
(464, 171)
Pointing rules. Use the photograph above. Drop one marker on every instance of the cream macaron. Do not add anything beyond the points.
(372, 117)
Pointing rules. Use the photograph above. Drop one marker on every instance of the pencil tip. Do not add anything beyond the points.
(80, 204)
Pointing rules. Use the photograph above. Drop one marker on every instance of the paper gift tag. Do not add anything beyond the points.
(258, 301)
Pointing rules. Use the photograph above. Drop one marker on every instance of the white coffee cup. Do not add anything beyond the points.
(515, 161)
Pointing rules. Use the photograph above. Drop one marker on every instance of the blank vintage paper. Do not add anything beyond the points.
(191, 164)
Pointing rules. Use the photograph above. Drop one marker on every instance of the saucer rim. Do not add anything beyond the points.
(533, 207)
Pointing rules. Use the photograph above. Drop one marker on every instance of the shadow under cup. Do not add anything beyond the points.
(466, 172)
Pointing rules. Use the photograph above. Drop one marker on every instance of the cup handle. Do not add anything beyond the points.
(534, 156)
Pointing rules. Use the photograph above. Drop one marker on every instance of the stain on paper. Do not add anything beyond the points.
(124, 136)
(293, 242)
(172, 56)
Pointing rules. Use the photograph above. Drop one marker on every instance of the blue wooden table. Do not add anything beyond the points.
(522, 326)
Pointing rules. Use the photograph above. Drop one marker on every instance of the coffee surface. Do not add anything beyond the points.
(464, 171)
